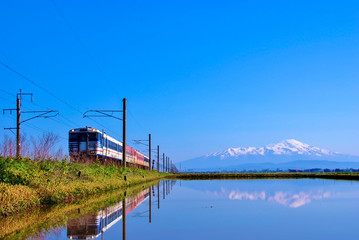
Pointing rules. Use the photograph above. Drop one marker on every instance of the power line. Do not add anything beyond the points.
(6, 99)
(34, 127)
(50, 93)
(137, 122)
(60, 115)
(37, 85)
(8, 93)
(41, 130)
(99, 69)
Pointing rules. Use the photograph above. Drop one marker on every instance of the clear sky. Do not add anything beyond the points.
(200, 76)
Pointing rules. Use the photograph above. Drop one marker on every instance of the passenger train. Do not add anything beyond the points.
(92, 143)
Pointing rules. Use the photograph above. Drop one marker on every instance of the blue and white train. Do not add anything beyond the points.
(91, 143)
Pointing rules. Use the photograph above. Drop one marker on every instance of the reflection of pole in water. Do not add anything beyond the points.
(101, 229)
(163, 184)
(149, 205)
(167, 185)
(158, 195)
(124, 218)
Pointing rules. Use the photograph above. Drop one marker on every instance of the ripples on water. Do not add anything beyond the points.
(224, 209)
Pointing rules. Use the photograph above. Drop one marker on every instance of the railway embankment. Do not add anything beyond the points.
(26, 184)
(210, 176)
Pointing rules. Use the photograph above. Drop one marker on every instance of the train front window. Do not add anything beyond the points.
(82, 137)
(93, 136)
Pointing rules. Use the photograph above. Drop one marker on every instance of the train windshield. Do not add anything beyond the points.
(82, 137)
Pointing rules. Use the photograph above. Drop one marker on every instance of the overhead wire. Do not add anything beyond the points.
(11, 94)
(99, 69)
(36, 104)
(60, 115)
(50, 93)
(55, 96)
(6, 99)
(37, 85)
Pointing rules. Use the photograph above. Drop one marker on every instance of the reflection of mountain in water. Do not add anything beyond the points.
(91, 226)
(288, 199)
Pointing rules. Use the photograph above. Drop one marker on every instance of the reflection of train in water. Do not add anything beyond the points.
(90, 142)
(91, 226)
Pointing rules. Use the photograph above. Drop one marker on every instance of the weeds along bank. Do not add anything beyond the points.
(25, 183)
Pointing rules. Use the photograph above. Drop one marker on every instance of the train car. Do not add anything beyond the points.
(91, 143)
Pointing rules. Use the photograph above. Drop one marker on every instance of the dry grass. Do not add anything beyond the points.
(14, 198)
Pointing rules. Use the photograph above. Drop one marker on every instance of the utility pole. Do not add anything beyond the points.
(42, 114)
(149, 140)
(167, 164)
(124, 133)
(158, 158)
(18, 124)
(163, 167)
(149, 152)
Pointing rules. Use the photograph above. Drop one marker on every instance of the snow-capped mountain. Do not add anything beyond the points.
(287, 147)
(283, 152)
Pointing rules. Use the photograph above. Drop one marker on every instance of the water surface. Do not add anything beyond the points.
(226, 209)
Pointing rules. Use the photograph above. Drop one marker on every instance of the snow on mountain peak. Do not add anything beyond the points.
(286, 147)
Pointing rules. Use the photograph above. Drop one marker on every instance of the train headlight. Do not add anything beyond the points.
(94, 130)
(72, 130)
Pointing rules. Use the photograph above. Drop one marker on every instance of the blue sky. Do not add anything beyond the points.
(200, 76)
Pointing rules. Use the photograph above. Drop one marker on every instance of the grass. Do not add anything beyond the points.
(208, 176)
(25, 183)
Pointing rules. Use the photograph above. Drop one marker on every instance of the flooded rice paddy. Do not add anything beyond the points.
(214, 209)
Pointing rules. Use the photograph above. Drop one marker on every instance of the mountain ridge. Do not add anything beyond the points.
(286, 151)
(288, 146)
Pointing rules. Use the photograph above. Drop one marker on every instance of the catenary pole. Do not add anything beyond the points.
(124, 133)
(158, 158)
(18, 125)
(163, 167)
(149, 152)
